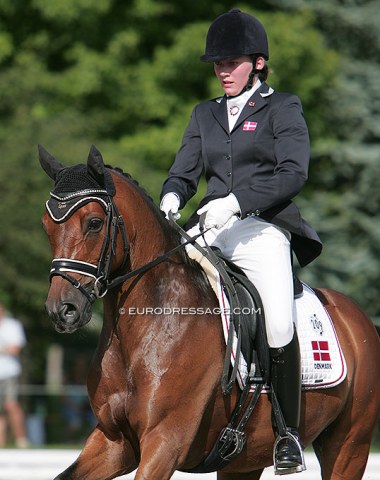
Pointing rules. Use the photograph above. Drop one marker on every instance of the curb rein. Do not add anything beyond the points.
(101, 272)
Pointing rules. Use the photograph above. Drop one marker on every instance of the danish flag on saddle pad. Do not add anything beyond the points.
(321, 351)
(249, 126)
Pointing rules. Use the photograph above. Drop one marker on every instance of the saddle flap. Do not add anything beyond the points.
(254, 345)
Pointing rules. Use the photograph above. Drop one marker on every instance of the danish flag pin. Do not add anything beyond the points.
(251, 104)
(249, 126)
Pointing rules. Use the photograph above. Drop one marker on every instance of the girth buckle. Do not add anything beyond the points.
(232, 442)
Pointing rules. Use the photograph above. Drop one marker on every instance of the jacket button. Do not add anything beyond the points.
(228, 174)
(228, 157)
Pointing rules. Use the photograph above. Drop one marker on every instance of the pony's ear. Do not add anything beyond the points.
(95, 165)
(50, 164)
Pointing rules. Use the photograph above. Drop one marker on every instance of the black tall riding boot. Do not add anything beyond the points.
(286, 382)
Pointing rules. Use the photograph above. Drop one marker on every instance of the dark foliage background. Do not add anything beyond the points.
(125, 75)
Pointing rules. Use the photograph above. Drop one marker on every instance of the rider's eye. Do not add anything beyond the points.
(95, 225)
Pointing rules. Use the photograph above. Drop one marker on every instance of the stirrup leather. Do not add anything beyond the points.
(285, 471)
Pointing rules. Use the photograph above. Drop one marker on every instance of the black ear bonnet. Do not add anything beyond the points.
(75, 187)
(78, 185)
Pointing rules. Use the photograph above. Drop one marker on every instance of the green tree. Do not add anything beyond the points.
(346, 159)
(125, 75)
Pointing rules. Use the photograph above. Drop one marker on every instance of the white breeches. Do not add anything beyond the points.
(262, 251)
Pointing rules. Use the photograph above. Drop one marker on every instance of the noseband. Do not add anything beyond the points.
(101, 272)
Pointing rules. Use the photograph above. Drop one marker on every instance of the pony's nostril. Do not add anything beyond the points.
(69, 313)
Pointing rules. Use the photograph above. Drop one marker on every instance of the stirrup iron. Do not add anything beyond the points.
(286, 471)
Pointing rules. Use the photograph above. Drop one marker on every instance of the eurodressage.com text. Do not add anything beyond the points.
(188, 311)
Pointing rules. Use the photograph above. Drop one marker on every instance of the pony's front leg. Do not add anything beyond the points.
(160, 456)
(101, 459)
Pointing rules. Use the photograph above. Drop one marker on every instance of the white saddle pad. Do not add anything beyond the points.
(322, 361)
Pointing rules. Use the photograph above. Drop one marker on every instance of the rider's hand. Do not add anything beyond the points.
(170, 203)
(219, 211)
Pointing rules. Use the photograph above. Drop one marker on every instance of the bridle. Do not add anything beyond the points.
(75, 187)
(101, 272)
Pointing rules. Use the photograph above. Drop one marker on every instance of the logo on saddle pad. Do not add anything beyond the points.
(316, 324)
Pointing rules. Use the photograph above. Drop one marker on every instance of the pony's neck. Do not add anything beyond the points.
(149, 233)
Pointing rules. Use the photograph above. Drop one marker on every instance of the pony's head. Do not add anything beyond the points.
(82, 223)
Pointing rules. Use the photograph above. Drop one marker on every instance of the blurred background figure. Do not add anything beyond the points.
(12, 340)
(75, 407)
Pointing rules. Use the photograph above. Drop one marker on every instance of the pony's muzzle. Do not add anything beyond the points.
(67, 316)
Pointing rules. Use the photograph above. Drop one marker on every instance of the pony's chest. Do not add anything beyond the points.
(108, 398)
(107, 380)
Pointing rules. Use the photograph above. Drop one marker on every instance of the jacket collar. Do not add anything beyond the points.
(255, 103)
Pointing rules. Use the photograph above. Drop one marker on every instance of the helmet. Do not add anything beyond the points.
(234, 34)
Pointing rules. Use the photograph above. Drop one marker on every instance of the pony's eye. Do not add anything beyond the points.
(95, 225)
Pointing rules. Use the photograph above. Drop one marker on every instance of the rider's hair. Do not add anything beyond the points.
(262, 74)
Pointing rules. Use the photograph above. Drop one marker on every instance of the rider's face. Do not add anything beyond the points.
(233, 74)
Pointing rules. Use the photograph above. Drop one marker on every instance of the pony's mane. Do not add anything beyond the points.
(199, 276)
(129, 177)
(167, 227)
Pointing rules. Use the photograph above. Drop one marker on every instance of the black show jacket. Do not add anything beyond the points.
(263, 161)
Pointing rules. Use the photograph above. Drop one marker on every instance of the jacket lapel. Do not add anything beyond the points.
(219, 110)
(254, 104)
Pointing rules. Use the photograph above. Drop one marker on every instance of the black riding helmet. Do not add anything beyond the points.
(235, 34)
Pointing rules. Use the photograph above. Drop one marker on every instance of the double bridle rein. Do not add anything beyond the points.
(101, 273)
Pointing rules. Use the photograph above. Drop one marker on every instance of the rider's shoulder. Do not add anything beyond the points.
(207, 106)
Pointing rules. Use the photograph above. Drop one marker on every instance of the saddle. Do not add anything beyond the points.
(247, 313)
(253, 336)
(248, 321)
(251, 342)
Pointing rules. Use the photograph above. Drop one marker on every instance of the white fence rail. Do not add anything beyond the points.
(44, 464)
